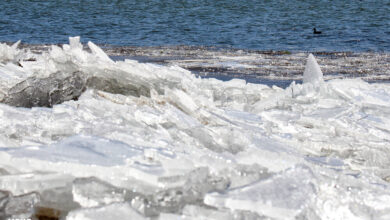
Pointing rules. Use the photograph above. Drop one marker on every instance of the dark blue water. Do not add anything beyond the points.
(264, 25)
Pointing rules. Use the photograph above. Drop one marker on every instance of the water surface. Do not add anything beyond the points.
(265, 25)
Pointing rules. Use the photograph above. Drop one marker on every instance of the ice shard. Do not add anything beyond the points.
(46, 92)
(21, 206)
(9, 53)
(312, 73)
(90, 192)
(112, 211)
(281, 196)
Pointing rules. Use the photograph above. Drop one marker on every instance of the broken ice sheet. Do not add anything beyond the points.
(204, 212)
(243, 174)
(21, 206)
(282, 196)
(312, 73)
(56, 202)
(10, 53)
(250, 138)
(112, 211)
(90, 192)
(49, 193)
(189, 189)
(23, 183)
(89, 150)
(269, 153)
(3, 199)
(3, 171)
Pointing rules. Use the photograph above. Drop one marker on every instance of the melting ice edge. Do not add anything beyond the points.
(130, 140)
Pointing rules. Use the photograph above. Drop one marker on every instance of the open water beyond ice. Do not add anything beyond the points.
(85, 137)
(267, 25)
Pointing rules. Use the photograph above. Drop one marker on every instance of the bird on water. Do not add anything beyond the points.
(316, 32)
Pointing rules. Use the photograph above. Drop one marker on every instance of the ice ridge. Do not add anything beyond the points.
(156, 142)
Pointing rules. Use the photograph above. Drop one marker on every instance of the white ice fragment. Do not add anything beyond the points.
(60, 200)
(75, 52)
(9, 53)
(203, 213)
(28, 182)
(282, 196)
(241, 175)
(313, 73)
(112, 211)
(270, 154)
(90, 192)
(83, 150)
(57, 54)
(170, 216)
(74, 43)
(98, 52)
(21, 207)
(181, 100)
(15, 45)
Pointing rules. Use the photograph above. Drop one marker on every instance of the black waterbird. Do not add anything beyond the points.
(316, 32)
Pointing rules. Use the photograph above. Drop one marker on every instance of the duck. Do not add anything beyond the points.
(316, 32)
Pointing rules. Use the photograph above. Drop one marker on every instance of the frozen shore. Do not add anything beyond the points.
(137, 140)
(254, 65)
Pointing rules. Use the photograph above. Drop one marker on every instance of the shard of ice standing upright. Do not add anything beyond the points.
(312, 73)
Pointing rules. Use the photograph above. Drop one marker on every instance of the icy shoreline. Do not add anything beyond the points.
(157, 142)
(254, 66)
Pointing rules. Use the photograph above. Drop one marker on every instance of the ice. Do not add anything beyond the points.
(269, 154)
(9, 53)
(98, 52)
(350, 197)
(312, 73)
(89, 150)
(281, 196)
(113, 211)
(189, 189)
(197, 212)
(56, 202)
(90, 192)
(104, 138)
(21, 206)
(203, 213)
(242, 174)
(57, 88)
(32, 182)
(3, 171)
(3, 199)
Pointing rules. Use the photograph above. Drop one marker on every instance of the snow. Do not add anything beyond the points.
(146, 141)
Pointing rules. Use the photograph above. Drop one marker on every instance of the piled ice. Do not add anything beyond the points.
(130, 140)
